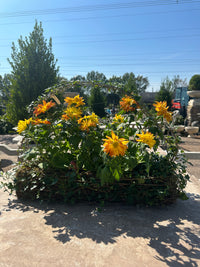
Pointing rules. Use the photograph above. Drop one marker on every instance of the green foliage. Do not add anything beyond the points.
(194, 83)
(5, 126)
(5, 86)
(95, 76)
(130, 87)
(130, 84)
(166, 92)
(97, 101)
(33, 70)
(179, 120)
(62, 161)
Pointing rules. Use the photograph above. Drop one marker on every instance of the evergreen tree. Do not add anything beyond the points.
(33, 70)
(5, 88)
(97, 101)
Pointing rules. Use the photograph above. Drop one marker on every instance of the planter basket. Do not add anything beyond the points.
(69, 188)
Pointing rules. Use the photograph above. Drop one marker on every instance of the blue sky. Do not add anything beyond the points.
(156, 38)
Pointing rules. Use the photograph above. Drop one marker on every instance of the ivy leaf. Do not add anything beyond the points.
(116, 175)
(183, 196)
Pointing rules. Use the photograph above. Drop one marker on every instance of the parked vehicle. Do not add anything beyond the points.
(180, 100)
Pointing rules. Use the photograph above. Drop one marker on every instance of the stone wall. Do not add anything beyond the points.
(193, 111)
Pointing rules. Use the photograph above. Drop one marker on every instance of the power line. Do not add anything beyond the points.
(90, 8)
(119, 33)
(128, 39)
(110, 56)
(103, 17)
(122, 40)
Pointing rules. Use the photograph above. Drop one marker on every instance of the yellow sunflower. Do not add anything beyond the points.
(42, 108)
(146, 138)
(162, 110)
(88, 121)
(39, 121)
(118, 119)
(22, 125)
(72, 113)
(127, 103)
(77, 101)
(115, 146)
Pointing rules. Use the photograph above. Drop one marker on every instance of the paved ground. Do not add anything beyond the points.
(36, 234)
(191, 144)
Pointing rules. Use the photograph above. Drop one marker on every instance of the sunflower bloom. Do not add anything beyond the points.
(72, 113)
(39, 121)
(88, 121)
(162, 110)
(168, 116)
(118, 119)
(22, 125)
(42, 108)
(146, 138)
(127, 103)
(77, 101)
(115, 146)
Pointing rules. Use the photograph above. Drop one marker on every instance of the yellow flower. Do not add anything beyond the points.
(146, 138)
(77, 101)
(118, 119)
(168, 116)
(162, 110)
(88, 121)
(72, 113)
(22, 125)
(39, 121)
(42, 108)
(115, 146)
(127, 104)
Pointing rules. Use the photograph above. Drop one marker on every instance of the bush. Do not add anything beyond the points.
(194, 83)
(5, 126)
(70, 155)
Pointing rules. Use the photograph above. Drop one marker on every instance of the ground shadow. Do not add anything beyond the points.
(7, 139)
(173, 231)
(5, 163)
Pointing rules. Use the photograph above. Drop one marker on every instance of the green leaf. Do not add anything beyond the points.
(183, 196)
(116, 175)
(60, 160)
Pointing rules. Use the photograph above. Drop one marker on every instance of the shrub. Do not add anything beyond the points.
(5, 126)
(194, 83)
(71, 155)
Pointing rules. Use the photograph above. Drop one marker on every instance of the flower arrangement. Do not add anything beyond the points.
(69, 156)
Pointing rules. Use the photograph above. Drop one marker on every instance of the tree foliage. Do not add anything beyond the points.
(96, 76)
(33, 70)
(131, 85)
(97, 101)
(194, 83)
(5, 85)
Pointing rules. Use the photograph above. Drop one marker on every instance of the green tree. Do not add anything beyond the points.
(194, 83)
(33, 70)
(115, 79)
(95, 76)
(97, 101)
(134, 85)
(141, 83)
(78, 78)
(130, 86)
(178, 82)
(5, 85)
